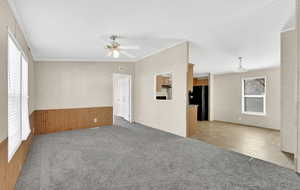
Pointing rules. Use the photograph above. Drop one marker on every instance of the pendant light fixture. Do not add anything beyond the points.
(240, 68)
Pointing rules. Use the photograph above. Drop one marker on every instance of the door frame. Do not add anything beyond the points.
(115, 77)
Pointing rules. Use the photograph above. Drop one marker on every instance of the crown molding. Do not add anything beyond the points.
(249, 70)
(41, 60)
(110, 60)
(162, 49)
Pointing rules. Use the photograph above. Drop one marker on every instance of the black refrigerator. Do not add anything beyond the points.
(200, 98)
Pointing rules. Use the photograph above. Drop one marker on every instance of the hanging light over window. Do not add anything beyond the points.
(240, 68)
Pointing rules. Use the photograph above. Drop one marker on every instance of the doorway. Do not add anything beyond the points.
(122, 97)
(201, 98)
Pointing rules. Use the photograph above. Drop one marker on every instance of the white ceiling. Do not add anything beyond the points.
(219, 31)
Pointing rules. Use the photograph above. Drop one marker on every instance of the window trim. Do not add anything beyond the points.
(25, 113)
(264, 113)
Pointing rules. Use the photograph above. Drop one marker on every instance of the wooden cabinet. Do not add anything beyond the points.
(166, 81)
(192, 120)
(200, 82)
(190, 76)
(160, 81)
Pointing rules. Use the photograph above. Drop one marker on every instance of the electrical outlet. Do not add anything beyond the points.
(95, 120)
(122, 68)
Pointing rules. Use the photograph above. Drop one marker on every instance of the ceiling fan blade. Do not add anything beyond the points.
(127, 54)
(129, 47)
(106, 42)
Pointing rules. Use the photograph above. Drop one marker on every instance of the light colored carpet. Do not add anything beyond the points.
(137, 157)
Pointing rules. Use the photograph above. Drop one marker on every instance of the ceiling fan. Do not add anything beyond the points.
(115, 49)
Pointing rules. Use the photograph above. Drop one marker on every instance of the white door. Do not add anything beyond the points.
(122, 96)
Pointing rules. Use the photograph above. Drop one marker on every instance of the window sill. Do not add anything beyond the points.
(254, 113)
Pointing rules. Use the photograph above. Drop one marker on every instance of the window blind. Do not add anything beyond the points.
(14, 97)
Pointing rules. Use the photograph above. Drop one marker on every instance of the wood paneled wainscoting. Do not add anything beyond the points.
(51, 121)
(10, 171)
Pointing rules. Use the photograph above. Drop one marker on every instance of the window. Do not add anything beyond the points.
(254, 96)
(24, 100)
(14, 101)
(18, 121)
(163, 86)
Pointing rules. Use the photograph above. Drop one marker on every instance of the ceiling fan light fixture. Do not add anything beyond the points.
(115, 49)
(115, 53)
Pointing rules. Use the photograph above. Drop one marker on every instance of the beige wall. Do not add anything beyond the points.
(211, 98)
(169, 115)
(76, 84)
(227, 94)
(7, 20)
(298, 92)
(289, 91)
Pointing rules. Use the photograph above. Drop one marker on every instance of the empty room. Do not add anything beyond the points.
(149, 95)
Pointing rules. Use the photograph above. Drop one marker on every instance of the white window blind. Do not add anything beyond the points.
(24, 100)
(14, 97)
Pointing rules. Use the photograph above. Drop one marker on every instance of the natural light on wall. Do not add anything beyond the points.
(18, 121)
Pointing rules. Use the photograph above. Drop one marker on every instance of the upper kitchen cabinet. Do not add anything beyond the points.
(163, 86)
(190, 77)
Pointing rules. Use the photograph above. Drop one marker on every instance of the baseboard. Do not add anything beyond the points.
(10, 171)
(58, 120)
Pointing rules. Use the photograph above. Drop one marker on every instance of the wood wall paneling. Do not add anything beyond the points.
(51, 121)
(10, 171)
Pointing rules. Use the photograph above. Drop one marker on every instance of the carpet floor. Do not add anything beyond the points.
(137, 157)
